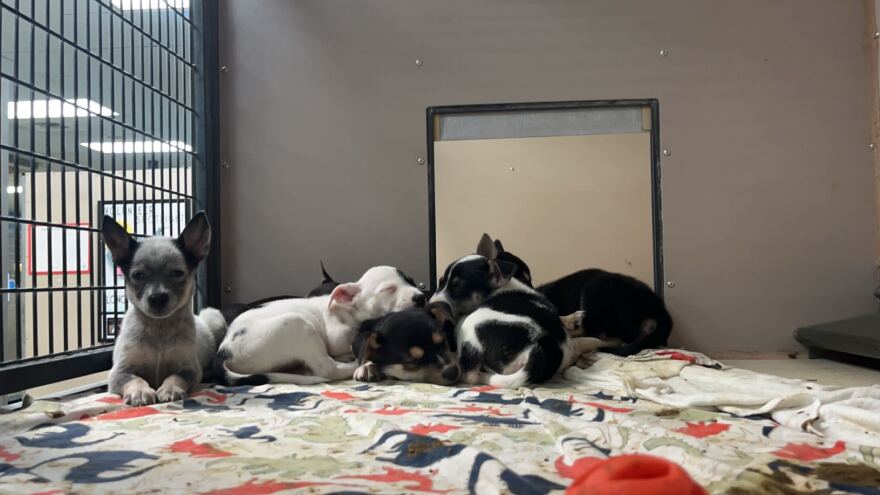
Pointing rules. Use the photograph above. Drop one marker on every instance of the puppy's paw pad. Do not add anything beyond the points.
(368, 372)
(141, 397)
(171, 393)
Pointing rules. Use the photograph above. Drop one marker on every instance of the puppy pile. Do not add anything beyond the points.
(486, 324)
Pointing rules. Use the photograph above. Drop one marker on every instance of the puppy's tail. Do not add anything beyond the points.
(224, 376)
(229, 378)
(216, 323)
(529, 374)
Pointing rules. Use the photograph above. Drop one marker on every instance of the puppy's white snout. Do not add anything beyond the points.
(439, 297)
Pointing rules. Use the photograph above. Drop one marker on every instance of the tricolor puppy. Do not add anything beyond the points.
(162, 349)
(508, 334)
(304, 340)
(415, 345)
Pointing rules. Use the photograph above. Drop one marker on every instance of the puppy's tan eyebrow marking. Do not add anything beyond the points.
(416, 352)
(437, 337)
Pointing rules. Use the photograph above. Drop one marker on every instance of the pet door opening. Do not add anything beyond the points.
(565, 186)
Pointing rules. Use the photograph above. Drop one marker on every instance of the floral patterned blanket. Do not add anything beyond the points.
(394, 437)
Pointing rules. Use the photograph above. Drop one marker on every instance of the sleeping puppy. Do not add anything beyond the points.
(414, 345)
(508, 334)
(327, 285)
(162, 349)
(616, 308)
(303, 340)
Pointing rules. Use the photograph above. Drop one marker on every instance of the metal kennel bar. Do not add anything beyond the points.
(108, 107)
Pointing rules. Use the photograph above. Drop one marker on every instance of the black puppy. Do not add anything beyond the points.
(615, 306)
(326, 287)
(415, 345)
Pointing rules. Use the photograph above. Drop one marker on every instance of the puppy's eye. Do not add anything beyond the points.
(391, 289)
(138, 276)
(177, 273)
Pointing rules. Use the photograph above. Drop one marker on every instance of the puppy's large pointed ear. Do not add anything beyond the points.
(499, 246)
(366, 342)
(500, 272)
(442, 314)
(343, 295)
(486, 247)
(195, 240)
(327, 277)
(121, 245)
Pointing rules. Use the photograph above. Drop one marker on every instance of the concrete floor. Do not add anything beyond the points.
(822, 371)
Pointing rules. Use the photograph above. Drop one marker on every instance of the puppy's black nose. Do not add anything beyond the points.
(419, 299)
(451, 373)
(158, 300)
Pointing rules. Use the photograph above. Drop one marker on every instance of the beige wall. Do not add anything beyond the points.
(560, 203)
(767, 193)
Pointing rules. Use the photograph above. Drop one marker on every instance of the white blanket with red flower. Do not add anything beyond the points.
(849, 414)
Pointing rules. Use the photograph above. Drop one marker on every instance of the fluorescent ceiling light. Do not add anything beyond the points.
(138, 146)
(150, 4)
(13, 189)
(53, 109)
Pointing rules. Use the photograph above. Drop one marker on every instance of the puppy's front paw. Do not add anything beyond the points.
(170, 393)
(368, 372)
(141, 396)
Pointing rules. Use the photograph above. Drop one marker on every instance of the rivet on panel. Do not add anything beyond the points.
(663, 53)
(512, 169)
(227, 289)
(666, 152)
(877, 36)
(419, 62)
(871, 146)
(225, 165)
(670, 284)
(421, 285)
(420, 161)
(223, 68)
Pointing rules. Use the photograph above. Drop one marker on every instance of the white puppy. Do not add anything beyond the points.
(302, 340)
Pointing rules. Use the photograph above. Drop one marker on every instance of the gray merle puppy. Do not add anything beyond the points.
(162, 348)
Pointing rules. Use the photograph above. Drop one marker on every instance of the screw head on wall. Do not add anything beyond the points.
(877, 36)
(227, 289)
(421, 285)
(419, 62)
(512, 169)
(420, 161)
(666, 152)
(670, 284)
(663, 53)
(225, 165)
(223, 68)
(871, 146)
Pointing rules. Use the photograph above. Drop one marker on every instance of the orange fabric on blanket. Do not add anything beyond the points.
(635, 474)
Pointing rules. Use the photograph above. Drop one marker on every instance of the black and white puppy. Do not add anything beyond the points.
(508, 334)
(415, 345)
(615, 307)
(305, 340)
(162, 349)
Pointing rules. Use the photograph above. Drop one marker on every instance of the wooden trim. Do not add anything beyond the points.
(872, 65)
